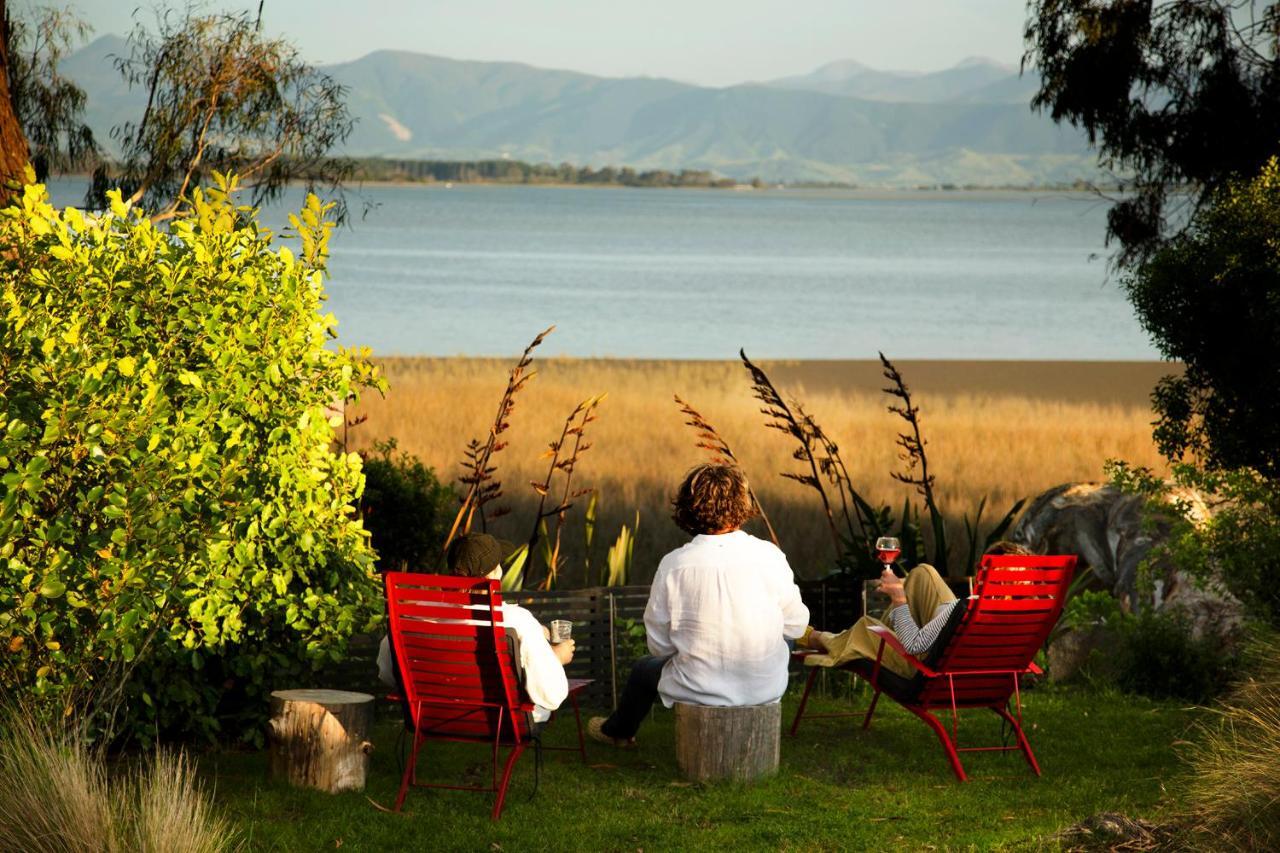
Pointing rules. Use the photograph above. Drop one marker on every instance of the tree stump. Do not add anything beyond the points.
(727, 743)
(319, 738)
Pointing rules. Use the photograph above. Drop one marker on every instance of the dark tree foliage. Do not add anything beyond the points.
(1210, 297)
(1178, 96)
(49, 106)
(221, 96)
(405, 509)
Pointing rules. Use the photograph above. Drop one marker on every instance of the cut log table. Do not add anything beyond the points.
(727, 743)
(320, 738)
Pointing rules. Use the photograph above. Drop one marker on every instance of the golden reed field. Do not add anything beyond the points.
(1001, 429)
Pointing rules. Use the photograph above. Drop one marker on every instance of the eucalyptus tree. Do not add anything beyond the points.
(1178, 96)
(221, 96)
(49, 106)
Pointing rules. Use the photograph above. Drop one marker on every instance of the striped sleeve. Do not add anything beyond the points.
(915, 639)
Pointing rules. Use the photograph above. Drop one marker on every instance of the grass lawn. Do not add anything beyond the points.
(838, 788)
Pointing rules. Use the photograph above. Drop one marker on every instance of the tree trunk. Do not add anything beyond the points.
(727, 743)
(319, 738)
(14, 154)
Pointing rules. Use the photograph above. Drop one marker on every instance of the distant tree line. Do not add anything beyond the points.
(518, 172)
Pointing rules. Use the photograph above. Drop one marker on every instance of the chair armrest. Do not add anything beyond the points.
(887, 638)
(1033, 669)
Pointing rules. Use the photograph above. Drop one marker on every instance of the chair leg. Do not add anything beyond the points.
(804, 699)
(577, 718)
(410, 770)
(506, 780)
(950, 748)
(871, 709)
(1022, 739)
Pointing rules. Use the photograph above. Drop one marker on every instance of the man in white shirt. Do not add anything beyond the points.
(477, 555)
(720, 611)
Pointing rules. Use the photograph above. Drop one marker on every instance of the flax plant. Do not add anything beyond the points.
(911, 451)
(563, 453)
(780, 417)
(710, 440)
(482, 486)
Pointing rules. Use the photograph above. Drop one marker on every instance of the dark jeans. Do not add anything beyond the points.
(636, 699)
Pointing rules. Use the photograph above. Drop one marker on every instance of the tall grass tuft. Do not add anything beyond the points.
(57, 795)
(1233, 798)
(54, 796)
(170, 810)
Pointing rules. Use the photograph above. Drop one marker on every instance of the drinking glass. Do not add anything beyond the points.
(887, 550)
(560, 630)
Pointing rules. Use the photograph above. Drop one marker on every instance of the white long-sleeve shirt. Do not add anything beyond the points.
(544, 679)
(721, 607)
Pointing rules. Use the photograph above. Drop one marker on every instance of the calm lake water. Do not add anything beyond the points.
(479, 270)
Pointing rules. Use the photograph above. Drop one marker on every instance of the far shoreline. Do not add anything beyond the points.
(866, 193)
(1091, 381)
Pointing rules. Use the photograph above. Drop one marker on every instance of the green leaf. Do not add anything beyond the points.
(52, 588)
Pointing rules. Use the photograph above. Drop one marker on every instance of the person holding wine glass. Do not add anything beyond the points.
(922, 608)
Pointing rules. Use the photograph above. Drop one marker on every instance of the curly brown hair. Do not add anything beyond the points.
(713, 498)
(1004, 546)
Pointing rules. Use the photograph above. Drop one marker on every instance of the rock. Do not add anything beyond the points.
(1091, 650)
(1113, 533)
(1098, 523)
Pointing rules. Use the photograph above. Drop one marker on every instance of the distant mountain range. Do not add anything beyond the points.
(967, 125)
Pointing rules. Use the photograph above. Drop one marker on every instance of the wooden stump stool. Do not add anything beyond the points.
(319, 738)
(727, 743)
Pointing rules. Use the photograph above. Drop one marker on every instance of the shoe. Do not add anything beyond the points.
(595, 730)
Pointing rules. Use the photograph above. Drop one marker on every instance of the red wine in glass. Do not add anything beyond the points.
(887, 550)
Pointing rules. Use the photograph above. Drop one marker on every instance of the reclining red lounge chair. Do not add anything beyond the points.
(459, 673)
(978, 659)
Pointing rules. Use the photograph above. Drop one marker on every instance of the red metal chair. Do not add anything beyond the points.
(459, 673)
(1016, 602)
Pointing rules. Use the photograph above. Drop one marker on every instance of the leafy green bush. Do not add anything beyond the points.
(1149, 653)
(1160, 658)
(405, 509)
(1237, 544)
(178, 536)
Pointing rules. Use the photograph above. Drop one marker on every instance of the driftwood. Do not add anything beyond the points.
(727, 743)
(319, 738)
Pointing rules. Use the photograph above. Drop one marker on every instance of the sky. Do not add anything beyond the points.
(708, 42)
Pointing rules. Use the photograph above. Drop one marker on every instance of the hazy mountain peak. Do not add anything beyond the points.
(845, 122)
(986, 62)
(840, 69)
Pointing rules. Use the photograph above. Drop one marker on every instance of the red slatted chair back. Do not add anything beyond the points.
(1017, 601)
(457, 664)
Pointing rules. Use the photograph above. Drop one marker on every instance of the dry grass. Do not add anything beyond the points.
(1233, 797)
(1047, 425)
(58, 796)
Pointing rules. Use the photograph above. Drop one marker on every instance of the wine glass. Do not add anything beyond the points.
(887, 550)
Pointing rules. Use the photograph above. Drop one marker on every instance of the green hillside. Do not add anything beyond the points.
(943, 130)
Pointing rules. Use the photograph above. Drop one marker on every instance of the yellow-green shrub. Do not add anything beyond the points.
(174, 526)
